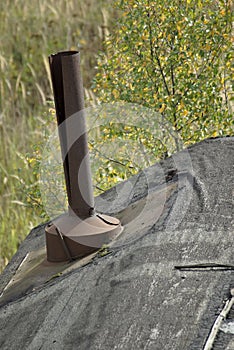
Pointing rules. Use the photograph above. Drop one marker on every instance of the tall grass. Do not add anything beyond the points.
(29, 32)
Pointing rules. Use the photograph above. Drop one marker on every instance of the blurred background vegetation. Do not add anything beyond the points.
(29, 32)
(175, 58)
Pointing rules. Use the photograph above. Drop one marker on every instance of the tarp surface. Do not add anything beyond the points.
(165, 279)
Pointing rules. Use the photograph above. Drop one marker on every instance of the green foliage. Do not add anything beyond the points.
(127, 147)
(30, 31)
(175, 57)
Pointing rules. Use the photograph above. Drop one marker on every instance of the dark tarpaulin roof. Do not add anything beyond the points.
(177, 213)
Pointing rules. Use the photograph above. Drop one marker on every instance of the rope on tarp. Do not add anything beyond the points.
(217, 324)
(205, 266)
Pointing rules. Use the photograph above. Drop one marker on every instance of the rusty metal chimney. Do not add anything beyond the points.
(81, 231)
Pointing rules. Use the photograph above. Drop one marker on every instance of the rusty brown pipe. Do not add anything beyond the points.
(81, 231)
(69, 101)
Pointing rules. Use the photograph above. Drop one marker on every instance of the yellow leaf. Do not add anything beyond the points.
(162, 109)
(115, 93)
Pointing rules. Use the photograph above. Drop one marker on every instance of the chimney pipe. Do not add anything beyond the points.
(81, 231)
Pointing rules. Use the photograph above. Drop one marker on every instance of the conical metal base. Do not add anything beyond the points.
(70, 238)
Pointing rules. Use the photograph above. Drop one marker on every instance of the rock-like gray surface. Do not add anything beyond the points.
(178, 213)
